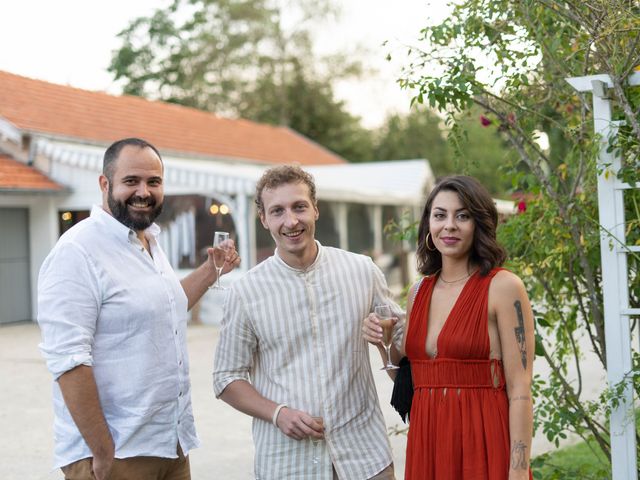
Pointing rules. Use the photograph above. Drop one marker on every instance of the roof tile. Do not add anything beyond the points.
(38, 106)
(15, 175)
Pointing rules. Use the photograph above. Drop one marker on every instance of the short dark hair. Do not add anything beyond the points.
(281, 175)
(486, 252)
(112, 153)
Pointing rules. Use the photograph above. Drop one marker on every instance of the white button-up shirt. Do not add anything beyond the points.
(296, 335)
(103, 301)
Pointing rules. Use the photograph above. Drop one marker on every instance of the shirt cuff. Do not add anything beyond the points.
(60, 364)
(222, 382)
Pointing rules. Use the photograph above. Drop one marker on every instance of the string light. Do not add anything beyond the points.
(223, 209)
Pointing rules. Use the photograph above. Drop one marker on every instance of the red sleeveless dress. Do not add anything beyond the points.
(459, 421)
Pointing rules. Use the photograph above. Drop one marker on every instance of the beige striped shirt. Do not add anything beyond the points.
(296, 335)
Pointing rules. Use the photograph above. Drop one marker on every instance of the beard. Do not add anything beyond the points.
(137, 221)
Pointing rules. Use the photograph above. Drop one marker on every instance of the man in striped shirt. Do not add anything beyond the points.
(291, 353)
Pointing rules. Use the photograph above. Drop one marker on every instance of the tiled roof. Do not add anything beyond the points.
(38, 106)
(17, 176)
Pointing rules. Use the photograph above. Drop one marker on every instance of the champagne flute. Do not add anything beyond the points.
(316, 441)
(220, 244)
(385, 317)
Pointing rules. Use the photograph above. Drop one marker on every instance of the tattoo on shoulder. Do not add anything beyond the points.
(519, 331)
(518, 455)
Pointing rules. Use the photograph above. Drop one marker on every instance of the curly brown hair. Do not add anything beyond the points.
(281, 175)
(486, 252)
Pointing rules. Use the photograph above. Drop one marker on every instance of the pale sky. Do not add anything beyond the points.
(70, 42)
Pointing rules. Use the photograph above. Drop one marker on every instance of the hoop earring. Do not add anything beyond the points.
(427, 242)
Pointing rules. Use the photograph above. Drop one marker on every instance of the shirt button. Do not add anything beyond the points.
(176, 332)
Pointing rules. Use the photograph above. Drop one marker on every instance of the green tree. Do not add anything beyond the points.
(313, 111)
(478, 150)
(510, 58)
(196, 52)
(247, 58)
(418, 134)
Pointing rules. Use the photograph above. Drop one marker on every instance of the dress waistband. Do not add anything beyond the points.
(455, 373)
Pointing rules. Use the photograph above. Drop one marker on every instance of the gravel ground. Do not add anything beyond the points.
(227, 450)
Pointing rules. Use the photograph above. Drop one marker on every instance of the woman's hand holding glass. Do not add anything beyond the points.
(377, 329)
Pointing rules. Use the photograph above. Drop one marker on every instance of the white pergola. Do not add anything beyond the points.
(615, 273)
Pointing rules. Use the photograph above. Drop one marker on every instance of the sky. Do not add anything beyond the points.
(71, 41)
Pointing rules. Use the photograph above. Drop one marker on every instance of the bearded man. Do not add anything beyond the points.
(113, 317)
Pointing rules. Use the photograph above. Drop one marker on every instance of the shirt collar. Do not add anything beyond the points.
(118, 229)
(311, 267)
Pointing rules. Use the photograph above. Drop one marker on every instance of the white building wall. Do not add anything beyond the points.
(78, 167)
(43, 231)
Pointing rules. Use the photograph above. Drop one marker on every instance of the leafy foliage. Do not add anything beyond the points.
(248, 58)
(510, 59)
(417, 134)
(254, 59)
(196, 52)
(312, 111)
(422, 134)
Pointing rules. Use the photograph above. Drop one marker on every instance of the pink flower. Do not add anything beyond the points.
(485, 121)
(522, 206)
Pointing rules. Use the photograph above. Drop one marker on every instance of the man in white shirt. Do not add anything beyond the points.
(113, 317)
(291, 353)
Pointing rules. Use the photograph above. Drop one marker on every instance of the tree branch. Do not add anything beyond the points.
(574, 402)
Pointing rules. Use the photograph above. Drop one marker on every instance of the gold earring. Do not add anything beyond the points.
(427, 241)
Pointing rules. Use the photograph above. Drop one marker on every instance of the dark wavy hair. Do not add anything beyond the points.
(486, 252)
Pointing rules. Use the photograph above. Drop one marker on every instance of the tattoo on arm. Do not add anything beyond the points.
(519, 330)
(520, 397)
(518, 454)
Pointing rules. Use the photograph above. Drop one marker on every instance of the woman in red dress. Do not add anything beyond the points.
(469, 338)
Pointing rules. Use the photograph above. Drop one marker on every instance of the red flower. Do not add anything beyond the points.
(485, 121)
(522, 206)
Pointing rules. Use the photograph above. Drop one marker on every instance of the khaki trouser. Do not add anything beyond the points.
(134, 468)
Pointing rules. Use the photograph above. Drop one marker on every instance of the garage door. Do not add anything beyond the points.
(15, 294)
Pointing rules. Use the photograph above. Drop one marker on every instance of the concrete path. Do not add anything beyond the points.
(26, 416)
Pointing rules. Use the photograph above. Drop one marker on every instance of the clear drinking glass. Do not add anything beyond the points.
(220, 246)
(385, 317)
(315, 441)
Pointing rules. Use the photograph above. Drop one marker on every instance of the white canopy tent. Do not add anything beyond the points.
(401, 184)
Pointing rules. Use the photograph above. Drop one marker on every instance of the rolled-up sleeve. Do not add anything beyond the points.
(68, 308)
(382, 295)
(236, 345)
